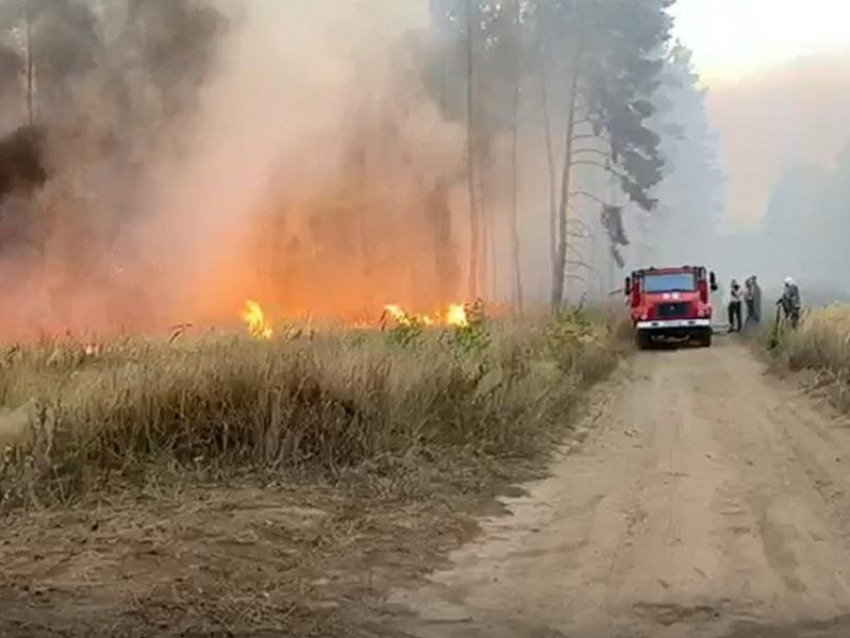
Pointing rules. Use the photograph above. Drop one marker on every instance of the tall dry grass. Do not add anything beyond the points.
(822, 341)
(77, 416)
(822, 344)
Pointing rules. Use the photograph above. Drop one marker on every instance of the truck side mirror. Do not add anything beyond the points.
(628, 286)
(713, 280)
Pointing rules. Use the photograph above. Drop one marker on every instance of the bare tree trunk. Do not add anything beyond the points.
(560, 267)
(361, 160)
(30, 66)
(363, 222)
(550, 161)
(515, 259)
(486, 273)
(474, 221)
(614, 197)
(442, 225)
(487, 266)
(445, 266)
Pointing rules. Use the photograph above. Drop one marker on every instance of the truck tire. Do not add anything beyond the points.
(704, 339)
(642, 340)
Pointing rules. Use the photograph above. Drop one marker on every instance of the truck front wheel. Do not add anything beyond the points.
(643, 340)
(704, 338)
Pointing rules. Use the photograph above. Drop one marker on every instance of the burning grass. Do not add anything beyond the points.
(268, 486)
(76, 415)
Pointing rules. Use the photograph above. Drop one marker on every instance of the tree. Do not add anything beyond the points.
(604, 51)
(804, 231)
(470, 19)
(58, 40)
(691, 193)
(481, 71)
(516, 70)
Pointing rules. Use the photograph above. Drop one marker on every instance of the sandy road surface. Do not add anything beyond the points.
(710, 500)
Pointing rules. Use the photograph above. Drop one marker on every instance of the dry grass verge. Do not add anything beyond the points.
(251, 486)
(821, 345)
(79, 415)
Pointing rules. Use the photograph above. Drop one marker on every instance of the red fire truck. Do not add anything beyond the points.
(671, 303)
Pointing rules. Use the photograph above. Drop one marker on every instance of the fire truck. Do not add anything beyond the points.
(671, 304)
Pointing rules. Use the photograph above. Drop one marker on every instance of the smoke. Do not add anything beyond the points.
(771, 122)
(22, 165)
(287, 152)
(313, 159)
(784, 147)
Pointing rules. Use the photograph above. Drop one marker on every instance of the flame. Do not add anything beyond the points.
(258, 326)
(456, 316)
(404, 318)
(400, 316)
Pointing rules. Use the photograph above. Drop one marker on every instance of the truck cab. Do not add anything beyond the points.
(671, 303)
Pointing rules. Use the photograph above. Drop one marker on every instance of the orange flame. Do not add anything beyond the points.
(399, 315)
(456, 316)
(403, 318)
(258, 326)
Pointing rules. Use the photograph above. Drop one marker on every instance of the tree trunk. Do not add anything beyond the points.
(441, 214)
(560, 267)
(612, 265)
(361, 202)
(444, 264)
(361, 161)
(474, 221)
(30, 66)
(487, 263)
(486, 273)
(515, 259)
(550, 162)
(445, 260)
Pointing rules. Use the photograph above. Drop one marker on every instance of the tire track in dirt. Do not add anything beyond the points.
(712, 503)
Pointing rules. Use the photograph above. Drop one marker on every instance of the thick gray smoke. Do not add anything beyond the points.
(204, 153)
(112, 86)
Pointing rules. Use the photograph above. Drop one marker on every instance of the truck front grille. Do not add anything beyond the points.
(673, 310)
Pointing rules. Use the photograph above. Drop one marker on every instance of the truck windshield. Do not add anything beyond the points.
(677, 282)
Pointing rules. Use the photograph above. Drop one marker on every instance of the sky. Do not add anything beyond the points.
(778, 79)
(735, 38)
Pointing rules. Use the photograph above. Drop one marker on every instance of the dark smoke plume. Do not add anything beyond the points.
(22, 165)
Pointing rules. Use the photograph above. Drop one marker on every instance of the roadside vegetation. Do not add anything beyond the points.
(277, 485)
(78, 415)
(821, 344)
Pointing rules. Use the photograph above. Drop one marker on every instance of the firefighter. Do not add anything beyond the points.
(735, 295)
(790, 302)
(752, 297)
(756, 299)
(749, 300)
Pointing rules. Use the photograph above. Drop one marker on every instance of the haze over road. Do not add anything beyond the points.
(710, 500)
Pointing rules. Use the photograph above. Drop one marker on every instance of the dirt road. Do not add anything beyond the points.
(710, 500)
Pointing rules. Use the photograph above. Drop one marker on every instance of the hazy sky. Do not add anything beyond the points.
(731, 38)
(778, 74)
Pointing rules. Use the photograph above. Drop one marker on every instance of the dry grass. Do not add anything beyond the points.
(821, 344)
(822, 340)
(75, 416)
